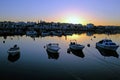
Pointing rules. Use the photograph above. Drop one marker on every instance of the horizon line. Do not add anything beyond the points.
(38, 21)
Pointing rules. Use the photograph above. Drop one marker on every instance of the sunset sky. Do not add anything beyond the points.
(98, 12)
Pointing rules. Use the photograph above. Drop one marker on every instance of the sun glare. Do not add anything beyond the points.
(73, 20)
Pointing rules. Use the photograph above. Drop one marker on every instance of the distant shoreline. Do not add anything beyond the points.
(57, 29)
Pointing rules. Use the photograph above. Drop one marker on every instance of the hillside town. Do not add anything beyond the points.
(51, 28)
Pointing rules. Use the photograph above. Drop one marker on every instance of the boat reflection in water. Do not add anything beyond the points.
(13, 53)
(52, 55)
(107, 53)
(14, 58)
(78, 53)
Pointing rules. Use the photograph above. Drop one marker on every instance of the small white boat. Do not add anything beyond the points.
(107, 44)
(14, 50)
(67, 33)
(56, 33)
(53, 47)
(74, 46)
(45, 34)
(30, 33)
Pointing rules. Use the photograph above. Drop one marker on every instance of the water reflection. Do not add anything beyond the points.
(52, 55)
(107, 53)
(69, 66)
(13, 58)
(78, 53)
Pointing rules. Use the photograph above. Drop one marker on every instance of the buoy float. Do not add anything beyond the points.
(94, 36)
(88, 45)
(3, 41)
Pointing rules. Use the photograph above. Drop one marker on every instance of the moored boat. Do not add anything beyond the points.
(31, 33)
(107, 44)
(56, 33)
(45, 34)
(14, 50)
(75, 46)
(53, 47)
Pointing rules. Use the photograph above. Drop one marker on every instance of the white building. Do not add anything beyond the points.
(90, 26)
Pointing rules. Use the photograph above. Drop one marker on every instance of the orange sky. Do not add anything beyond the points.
(98, 12)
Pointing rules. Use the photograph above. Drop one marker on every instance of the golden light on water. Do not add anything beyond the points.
(78, 37)
(74, 36)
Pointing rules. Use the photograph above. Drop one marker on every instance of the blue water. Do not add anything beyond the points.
(34, 63)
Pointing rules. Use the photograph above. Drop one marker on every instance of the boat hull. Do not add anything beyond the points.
(52, 50)
(112, 48)
(74, 47)
(45, 34)
(13, 52)
(53, 47)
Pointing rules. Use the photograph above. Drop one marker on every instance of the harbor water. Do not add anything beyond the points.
(35, 63)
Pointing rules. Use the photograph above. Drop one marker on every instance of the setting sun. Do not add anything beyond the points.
(73, 20)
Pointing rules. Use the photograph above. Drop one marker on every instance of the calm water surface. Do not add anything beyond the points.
(34, 63)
